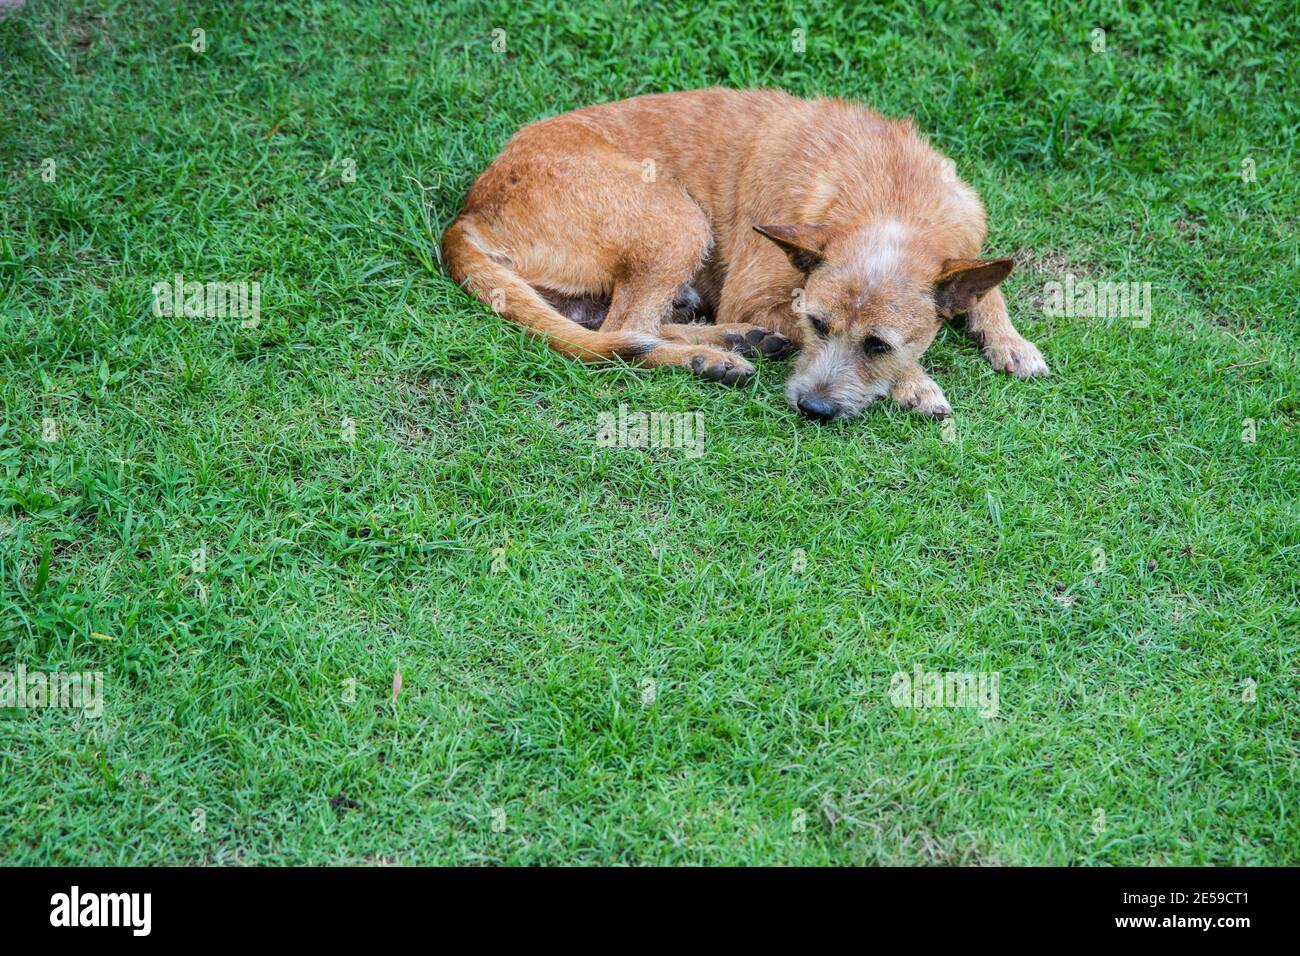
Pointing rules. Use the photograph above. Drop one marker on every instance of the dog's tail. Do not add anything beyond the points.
(509, 295)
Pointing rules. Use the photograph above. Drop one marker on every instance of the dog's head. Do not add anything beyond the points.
(872, 300)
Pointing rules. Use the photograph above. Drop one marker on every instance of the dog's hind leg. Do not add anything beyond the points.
(661, 247)
(733, 336)
(562, 210)
(589, 311)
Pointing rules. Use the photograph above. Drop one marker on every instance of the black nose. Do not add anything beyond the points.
(817, 408)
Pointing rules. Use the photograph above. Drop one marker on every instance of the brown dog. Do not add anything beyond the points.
(605, 230)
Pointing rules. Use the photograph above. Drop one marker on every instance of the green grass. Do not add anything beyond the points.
(331, 561)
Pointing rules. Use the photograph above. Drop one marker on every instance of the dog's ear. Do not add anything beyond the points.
(963, 282)
(801, 242)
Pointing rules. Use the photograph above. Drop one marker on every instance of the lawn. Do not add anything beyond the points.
(636, 655)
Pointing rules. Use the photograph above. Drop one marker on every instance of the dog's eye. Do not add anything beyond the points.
(819, 324)
(875, 346)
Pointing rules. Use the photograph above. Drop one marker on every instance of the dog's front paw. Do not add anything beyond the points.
(1017, 357)
(923, 396)
(717, 366)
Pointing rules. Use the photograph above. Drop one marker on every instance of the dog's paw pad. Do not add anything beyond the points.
(734, 341)
(1021, 359)
(774, 345)
(758, 341)
(728, 371)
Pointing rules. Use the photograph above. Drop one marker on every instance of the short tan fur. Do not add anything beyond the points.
(809, 224)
